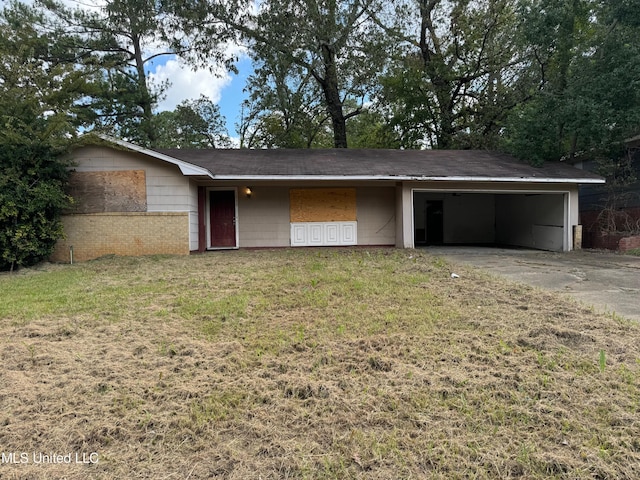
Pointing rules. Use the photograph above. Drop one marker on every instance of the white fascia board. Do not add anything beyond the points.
(403, 178)
(515, 179)
(186, 168)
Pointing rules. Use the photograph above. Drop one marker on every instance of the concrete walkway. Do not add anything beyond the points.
(608, 281)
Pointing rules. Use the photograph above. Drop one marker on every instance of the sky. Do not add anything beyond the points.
(223, 88)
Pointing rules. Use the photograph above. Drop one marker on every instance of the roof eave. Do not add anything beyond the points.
(404, 178)
(187, 169)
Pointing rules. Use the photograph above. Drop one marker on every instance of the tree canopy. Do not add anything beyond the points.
(39, 111)
(585, 56)
(543, 79)
(336, 43)
(117, 42)
(457, 72)
(193, 124)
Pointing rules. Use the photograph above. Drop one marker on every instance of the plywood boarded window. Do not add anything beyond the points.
(110, 191)
(322, 204)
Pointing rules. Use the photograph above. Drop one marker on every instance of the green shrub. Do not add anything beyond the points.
(31, 200)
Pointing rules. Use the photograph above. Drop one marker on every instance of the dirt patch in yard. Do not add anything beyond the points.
(310, 364)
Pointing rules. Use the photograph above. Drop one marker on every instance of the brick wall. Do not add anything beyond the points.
(595, 238)
(612, 241)
(629, 243)
(139, 233)
(600, 241)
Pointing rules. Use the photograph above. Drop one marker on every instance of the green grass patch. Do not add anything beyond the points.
(312, 364)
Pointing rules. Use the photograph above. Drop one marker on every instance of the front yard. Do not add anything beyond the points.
(347, 363)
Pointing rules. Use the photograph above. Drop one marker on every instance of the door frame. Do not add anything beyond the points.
(208, 217)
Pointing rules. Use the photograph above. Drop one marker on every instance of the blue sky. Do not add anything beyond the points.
(224, 88)
(231, 96)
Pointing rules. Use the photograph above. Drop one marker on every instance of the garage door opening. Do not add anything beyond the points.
(530, 220)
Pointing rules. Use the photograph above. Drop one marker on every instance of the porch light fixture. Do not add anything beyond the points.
(248, 192)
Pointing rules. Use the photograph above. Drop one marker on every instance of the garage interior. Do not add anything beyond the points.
(530, 220)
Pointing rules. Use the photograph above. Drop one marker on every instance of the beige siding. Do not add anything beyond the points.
(404, 232)
(193, 217)
(98, 234)
(376, 215)
(488, 186)
(574, 215)
(167, 189)
(263, 219)
(165, 227)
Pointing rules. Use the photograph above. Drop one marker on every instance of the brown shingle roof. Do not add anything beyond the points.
(401, 164)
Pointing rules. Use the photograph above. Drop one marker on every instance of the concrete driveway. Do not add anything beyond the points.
(610, 282)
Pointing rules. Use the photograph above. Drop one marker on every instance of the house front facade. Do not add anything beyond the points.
(135, 201)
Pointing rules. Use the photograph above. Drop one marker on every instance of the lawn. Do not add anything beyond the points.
(309, 364)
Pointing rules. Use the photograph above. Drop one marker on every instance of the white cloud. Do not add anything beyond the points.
(186, 83)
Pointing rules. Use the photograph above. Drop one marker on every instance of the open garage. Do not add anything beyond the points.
(532, 219)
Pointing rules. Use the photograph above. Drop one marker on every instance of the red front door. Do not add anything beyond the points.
(222, 208)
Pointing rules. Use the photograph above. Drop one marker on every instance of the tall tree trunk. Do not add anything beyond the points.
(433, 64)
(565, 44)
(145, 101)
(446, 129)
(329, 84)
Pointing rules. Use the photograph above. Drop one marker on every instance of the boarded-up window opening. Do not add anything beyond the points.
(109, 191)
(322, 204)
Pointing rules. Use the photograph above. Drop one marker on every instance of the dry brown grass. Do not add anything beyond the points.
(311, 364)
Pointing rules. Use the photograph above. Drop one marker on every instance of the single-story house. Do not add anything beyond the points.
(131, 200)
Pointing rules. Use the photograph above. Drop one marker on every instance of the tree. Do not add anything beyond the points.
(116, 45)
(193, 124)
(458, 72)
(119, 42)
(284, 108)
(620, 192)
(586, 54)
(39, 113)
(335, 42)
(371, 129)
(31, 200)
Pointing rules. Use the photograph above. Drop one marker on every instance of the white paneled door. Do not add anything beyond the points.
(324, 234)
